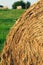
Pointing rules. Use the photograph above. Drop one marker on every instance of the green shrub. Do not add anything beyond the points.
(18, 3)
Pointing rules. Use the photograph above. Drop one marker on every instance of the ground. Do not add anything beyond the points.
(7, 20)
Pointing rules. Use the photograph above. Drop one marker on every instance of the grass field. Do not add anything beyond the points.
(7, 19)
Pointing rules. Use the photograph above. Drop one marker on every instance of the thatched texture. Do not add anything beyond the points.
(24, 43)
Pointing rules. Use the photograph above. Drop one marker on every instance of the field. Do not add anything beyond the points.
(7, 20)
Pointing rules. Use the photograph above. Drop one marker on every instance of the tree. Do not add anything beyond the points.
(1, 5)
(18, 3)
(28, 4)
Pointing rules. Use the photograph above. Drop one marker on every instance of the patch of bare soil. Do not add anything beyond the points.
(24, 43)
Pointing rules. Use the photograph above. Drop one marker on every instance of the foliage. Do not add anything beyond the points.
(28, 4)
(18, 3)
(21, 3)
(1, 5)
(7, 20)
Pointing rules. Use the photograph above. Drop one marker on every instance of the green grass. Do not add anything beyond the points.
(7, 20)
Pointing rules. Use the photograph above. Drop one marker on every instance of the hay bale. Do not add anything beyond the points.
(19, 7)
(24, 43)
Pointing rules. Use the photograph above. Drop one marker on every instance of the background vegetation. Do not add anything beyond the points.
(21, 3)
(7, 20)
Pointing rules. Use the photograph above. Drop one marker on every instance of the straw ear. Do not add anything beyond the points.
(40, 0)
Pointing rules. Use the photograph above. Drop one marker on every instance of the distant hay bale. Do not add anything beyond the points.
(24, 43)
(1, 6)
(5, 7)
(19, 7)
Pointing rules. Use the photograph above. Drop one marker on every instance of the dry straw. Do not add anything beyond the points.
(24, 43)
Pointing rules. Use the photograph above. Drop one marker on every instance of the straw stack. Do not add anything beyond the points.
(24, 43)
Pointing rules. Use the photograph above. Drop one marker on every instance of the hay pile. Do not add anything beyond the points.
(24, 44)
